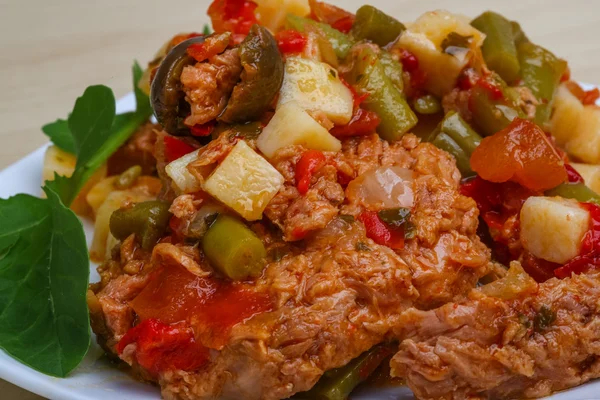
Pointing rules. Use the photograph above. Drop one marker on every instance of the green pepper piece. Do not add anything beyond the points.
(577, 191)
(376, 26)
(459, 139)
(340, 42)
(261, 78)
(541, 72)
(337, 384)
(518, 34)
(128, 177)
(232, 248)
(499, 50)
(147, 220)
(392, 68)
(248, 131)
(427, 104)
(491, 115)
(368, 77)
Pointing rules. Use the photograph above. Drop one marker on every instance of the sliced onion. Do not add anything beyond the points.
(383, 188)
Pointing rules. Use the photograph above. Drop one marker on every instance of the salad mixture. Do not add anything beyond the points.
(323, 197)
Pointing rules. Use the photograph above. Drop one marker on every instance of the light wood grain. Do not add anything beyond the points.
(51, 50)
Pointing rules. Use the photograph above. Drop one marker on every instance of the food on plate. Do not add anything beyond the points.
(325, 197)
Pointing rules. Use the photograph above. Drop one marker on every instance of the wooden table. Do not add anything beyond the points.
(52, 50)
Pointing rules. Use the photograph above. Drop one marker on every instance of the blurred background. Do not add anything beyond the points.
(50, 51)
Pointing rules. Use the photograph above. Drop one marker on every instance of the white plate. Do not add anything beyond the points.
(96, 378)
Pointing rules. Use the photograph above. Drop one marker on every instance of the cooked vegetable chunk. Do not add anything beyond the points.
(553, 228)
(376, 26)
(233, 249)
(261, 77)
(424, 39)
(459, 139)
(183, 180)
(369, 77)
(340, 42)
(315, 86)
(147, 220)
(292, 125)
(244, 181)
(576, 127)
(590, 173)
(272, 13)
(577, 191)
(499, 50)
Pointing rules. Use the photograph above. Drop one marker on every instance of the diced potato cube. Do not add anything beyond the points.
(59, 161)
(99, 192)
(585, 141)
(552, 228)
(576, 127)
(315, 86)
(245, 182)
(590, 174)
(291, 125)
(271, 13)
(184, 181)
(424, 39)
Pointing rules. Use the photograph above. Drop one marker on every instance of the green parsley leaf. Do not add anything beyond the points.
(97, 133)
(206, 31)
(58, 131)
(44, 270)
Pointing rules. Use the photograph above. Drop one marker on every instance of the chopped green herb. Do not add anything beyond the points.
(410, 231)
(395, 217)
(207, 30)
(347, 218)
(456, 40)
(362, 246)
(544, 318)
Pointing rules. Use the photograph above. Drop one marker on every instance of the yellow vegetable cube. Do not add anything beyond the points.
(245, 182)
(552, 228)
(271, 13)
(291, 125)
(424, 39)
(183, 180)
(315, 86)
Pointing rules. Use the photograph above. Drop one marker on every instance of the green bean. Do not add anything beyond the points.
(128, 177)
(541, 72)
(459, 139)
(368, 77)
(233, 249)
(492, 114)
(147, 220)
(376, 26)
(427, 104)
(577, 191)
(340, 42)
(499, 50)
(337, 384)
(392, 68)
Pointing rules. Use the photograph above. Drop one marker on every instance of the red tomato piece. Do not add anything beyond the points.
(162, 347)
(363, 122)
(210, 306)
(409, 61)
(380, 232)
(210, 47)
(175, 148)
(310, 162)
(235, 16)
(291, 41)
(520, 153)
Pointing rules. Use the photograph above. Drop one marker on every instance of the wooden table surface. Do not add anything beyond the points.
(50, 51)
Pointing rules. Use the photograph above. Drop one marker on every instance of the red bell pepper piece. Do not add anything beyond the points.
(175, 148)
(380, 232)
(363, 122)
(310, 162)
(162, 347)
(203, 130)
(573, 175)
(291, 41)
